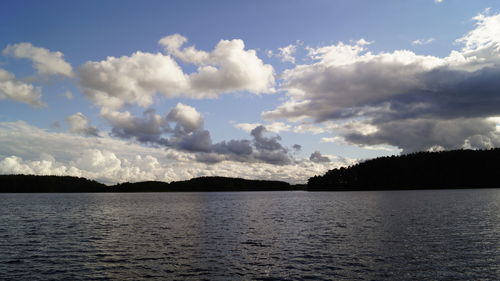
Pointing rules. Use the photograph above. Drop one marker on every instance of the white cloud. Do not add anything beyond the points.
(109, 160)
(95, 160)
(247, 127)
(287, 53)
(13, 89)
(16, 165)
(309, 128)
(44, 61)
(173, 44)
(116, 82)
(274, 127)
(400, 89)
(422, 41)
(229, 67)
(482, 44)
(438, 1)
(342, 140)
(79, 123)
(187, 117)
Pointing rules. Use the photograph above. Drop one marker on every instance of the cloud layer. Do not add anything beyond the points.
(111, 160)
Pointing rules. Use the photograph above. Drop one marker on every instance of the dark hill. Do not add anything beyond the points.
(205, 184)
(31, 183)
(422, 170)
(229, 184)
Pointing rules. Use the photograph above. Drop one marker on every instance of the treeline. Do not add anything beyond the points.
(32, 183)
(205, 184)
(422, 170)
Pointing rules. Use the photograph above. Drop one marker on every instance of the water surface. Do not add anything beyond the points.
(419, 235)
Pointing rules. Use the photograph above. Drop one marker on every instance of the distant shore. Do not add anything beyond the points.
(66, 184)
(458, 169)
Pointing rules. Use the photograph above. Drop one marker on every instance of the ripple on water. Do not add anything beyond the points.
(421, 235)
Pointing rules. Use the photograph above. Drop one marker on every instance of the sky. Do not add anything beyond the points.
(284, 90)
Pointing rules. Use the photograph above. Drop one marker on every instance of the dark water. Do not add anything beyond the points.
(396, 235)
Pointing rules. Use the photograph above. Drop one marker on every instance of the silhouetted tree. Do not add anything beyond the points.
(422, 170)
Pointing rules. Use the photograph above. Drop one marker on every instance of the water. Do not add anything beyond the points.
(390, 235)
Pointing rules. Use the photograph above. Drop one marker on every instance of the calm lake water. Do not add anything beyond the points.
(388, 235)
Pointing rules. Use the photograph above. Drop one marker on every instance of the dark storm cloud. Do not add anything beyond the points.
(426, 134)
(446, 94)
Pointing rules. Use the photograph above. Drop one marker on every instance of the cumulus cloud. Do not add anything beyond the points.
(422, 96)
(187, 118)
(112, 160)
(482, 44)
(116, 82)
(182, 128)
(262, 148)
(44, 61)
(287, 53)
(135, 79)
(229, 67)
(13, 89)
(269, 148)
(148, 128)
(79, 123)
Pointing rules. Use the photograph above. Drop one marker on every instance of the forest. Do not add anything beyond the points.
(421, 170)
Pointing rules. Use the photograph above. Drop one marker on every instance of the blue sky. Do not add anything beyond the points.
(345, 80)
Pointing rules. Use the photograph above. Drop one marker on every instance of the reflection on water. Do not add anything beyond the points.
(421, 235)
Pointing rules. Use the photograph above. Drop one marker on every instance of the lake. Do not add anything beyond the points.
(380, 235)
